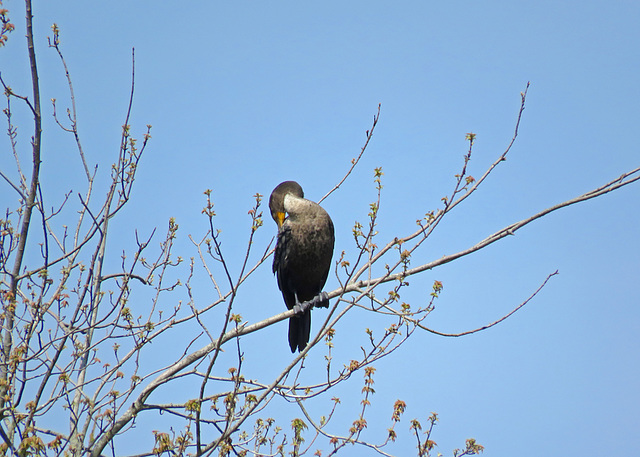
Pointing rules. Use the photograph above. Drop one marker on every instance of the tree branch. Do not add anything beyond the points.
(355, 161)
(28, 204)
(623, 180)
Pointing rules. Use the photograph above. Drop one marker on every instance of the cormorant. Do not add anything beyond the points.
(303, 255)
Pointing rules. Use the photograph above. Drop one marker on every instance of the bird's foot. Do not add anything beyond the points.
(301, 308)
(298, 308)
(319, 301)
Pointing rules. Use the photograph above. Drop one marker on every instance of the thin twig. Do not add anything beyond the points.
(484, 327)
(355, 161)
(509, 230)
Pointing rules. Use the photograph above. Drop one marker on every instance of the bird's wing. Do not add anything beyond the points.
(281, 246)
(281, 265)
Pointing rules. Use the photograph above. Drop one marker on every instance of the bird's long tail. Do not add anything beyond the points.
(299, 331)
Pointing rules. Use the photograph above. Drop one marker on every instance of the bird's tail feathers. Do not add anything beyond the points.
(299, 331)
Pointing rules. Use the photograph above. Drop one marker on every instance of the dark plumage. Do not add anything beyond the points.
(303, 254)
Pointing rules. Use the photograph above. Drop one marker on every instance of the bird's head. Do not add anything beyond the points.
(276, 200)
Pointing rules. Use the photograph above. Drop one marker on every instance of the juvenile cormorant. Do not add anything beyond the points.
(303, 255)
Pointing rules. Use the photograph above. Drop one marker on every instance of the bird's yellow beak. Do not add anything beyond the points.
(280, 219)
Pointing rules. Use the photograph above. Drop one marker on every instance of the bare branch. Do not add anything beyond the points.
(485, 327)
(16, 188)
(355, 161)
(73, 114)
(623, 180)
(7, 336)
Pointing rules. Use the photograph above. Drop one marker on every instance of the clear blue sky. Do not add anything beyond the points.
(244, 95)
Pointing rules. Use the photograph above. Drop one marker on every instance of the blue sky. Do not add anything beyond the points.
(244, 95)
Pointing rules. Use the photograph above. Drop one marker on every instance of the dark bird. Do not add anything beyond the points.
(303, 256)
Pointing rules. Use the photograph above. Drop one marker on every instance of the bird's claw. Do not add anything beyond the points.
(321, 301)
